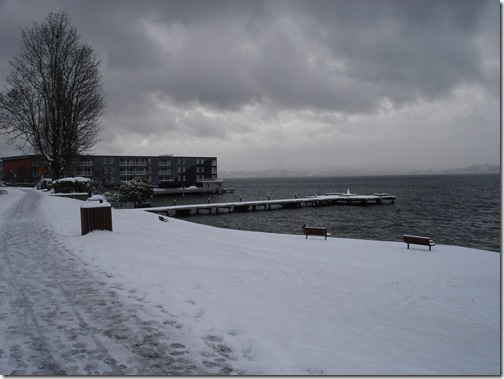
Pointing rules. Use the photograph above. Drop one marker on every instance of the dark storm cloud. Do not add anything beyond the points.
(405, 49)
(232, 53)
(402, 50)
(212, 68)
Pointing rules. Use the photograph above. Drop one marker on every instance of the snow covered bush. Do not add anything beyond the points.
(136, 191)
(71, 185)
(44, 184)
(113, 198)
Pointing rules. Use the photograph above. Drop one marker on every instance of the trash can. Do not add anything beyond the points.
(96, 214)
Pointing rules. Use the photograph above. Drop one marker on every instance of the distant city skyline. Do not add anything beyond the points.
(305, 84)
(359, 171)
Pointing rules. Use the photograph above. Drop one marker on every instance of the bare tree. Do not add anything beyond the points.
(54, 95)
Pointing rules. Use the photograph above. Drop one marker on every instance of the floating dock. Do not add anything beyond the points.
(252, 206)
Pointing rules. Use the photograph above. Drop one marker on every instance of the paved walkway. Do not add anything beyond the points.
(57, 317)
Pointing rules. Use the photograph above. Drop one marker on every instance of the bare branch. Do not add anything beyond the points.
(54, 95)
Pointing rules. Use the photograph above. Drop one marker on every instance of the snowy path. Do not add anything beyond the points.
(158, 298)
(58, 317)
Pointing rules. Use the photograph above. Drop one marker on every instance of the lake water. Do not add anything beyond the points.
(462, 210)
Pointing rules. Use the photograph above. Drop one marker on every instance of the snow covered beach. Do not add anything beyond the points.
(226, 301)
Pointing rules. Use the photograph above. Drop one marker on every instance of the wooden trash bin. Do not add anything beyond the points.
(96, 214)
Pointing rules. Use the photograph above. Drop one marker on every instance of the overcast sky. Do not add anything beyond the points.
(289, 84)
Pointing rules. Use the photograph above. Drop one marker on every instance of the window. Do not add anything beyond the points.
(111, 160)
(140, 171)
(126, 171)
(104, 170)
(86, 171)
(104, 160)
(125, 162)
(165, 171)
(86, 162)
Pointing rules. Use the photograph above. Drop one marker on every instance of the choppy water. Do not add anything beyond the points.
(462, 210)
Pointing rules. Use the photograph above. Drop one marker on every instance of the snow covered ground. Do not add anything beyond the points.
(223, 301)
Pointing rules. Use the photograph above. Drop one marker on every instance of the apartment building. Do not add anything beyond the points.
(166, 171)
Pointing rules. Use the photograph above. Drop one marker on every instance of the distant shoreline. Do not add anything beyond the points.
(319, 174)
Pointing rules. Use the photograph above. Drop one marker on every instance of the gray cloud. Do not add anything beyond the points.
(408, 49)
(243, 71)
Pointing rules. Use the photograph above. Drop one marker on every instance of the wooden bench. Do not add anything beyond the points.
(425, 241)
(312, 231)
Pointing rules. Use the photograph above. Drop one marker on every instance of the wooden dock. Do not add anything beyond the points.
(252, 206)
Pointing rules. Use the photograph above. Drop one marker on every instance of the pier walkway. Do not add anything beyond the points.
(246, 206)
